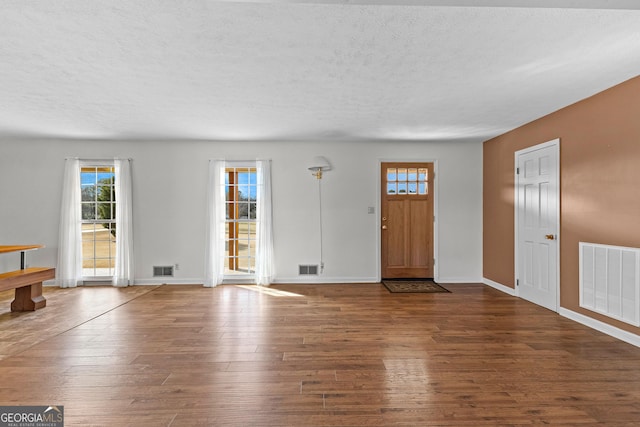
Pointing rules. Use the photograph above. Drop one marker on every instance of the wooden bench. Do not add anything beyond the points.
(28, 286)
(27, 281)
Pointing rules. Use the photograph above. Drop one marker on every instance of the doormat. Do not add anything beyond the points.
(413, 286)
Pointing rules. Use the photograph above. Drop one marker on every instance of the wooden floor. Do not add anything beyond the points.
(312, 355)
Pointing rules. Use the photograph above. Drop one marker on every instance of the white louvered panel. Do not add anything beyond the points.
(610, 281)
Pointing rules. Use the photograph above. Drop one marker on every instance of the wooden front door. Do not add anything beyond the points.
(407, 220)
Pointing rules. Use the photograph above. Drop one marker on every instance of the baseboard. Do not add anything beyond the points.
(454, 280)
(605, 328)
(282, 280)
(324, 280)
(168, 281)
(333, 280)
(279, 280)
(499, 286)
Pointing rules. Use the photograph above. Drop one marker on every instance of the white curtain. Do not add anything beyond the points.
(124, 268)
(69, 269)
(264, 233)
(215, 227)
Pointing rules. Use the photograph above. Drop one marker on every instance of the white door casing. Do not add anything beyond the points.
(537, 224)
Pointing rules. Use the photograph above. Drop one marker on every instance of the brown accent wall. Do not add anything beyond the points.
(599, 185)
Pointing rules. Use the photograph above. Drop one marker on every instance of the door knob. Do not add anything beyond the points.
(550, 237)
(384, 227)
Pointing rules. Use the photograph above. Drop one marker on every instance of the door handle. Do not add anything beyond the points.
(384, 227)
(550, 237)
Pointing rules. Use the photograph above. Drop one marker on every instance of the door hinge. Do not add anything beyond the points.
(517, 171)
(434, 261)
(517, 282)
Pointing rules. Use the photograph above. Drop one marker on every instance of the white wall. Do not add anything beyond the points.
(169, 210)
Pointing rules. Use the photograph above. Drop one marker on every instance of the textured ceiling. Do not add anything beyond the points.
(303, 70)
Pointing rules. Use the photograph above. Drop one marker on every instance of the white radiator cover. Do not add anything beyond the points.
(610, 281)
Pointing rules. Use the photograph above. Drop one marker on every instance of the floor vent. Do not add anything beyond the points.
(306, 270)
(610, 281)
(162, 271)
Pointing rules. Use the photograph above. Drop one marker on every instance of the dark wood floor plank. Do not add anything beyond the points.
(312, 355)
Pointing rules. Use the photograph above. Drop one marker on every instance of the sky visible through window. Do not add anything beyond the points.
(244, 179)
(90, 178)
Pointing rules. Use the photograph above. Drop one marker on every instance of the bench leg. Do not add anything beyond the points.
(29, 298)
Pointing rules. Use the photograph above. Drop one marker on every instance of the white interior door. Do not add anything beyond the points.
(537, 215)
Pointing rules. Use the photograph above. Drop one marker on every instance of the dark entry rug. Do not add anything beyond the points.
(413, 286)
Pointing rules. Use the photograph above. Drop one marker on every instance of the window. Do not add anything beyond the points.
(241, 224)
(239, 244)
(407, 181)
(98, 202)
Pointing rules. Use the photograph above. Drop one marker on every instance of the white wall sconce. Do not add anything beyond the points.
(320, 164)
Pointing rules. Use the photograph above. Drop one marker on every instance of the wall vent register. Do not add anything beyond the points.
(610, 281)
(162, 271)
(305, 270)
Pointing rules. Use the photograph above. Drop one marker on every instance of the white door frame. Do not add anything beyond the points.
(436, 269)
(553, 143)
